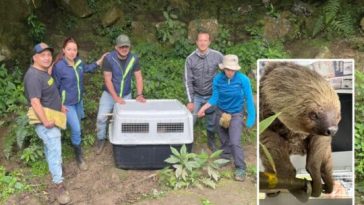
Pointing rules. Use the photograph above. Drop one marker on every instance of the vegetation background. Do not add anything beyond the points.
(162, 33)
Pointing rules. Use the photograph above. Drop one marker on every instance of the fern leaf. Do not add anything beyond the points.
(8, 145)
(319, 25)
(331, 9)
(342, 25)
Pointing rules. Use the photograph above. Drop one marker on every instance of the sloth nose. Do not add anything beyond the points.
(331, 130)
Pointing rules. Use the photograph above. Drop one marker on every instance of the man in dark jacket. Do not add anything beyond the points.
(200, 68)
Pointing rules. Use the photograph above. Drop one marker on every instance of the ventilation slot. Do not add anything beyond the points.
(170, 127)
(135, 128)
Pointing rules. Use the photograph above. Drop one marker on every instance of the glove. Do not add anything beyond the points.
(225, 120)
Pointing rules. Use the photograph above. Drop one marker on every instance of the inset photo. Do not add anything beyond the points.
(306, 131)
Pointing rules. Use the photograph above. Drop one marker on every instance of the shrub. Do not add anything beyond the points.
(192, 170)
(12, 92)
(37, 28)
(337, 17)
(10, 184)
(359, 126)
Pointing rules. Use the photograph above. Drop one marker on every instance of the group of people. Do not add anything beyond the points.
(58, 85)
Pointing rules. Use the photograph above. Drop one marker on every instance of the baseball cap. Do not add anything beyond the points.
(40, 47)
(122, 40)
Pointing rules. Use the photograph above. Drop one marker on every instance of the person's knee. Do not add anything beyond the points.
(235, 145)
(54, 150)
(101, 120)
(76, 132)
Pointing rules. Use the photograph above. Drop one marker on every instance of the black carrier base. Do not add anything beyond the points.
(143, 156)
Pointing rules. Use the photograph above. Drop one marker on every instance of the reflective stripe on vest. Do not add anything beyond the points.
(128, 68)
(63, 96)
(78, 78)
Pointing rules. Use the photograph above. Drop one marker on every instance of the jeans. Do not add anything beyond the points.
(52, 150)
(106, 106)
(83, 116)
(231, 138)
(74, 121)
(210, 116)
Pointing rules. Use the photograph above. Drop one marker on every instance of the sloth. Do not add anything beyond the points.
(309, 115)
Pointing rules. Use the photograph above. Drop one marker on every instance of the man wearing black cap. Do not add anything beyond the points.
(41, 92)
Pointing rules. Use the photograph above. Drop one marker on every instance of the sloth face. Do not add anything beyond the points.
(321, 121)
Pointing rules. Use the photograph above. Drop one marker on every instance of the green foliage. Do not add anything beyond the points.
(190, 169)
(206, 202)
(92, 4)
(37, 28)
(183, 48)
(249, 136)
(359, 125)
(10, 184)
(39, 168)
(319, 25)
(8, 145)
(148, 51)
(111, 33)
(255, 30)
(93, 88)
(271, 11)
(172, 33)
(263, 125)
(222, 42)
(337, 17)
(23, 135)
(11, 92)
(88, 139)
(32, 154)
(171, 29)
(250, 51)
(164, 78)
(251, 170)
(71, 22)
(12, 101)
(23, 130)
(331, 9)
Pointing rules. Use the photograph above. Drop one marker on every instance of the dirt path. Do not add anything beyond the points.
(104, 184)
(227, 192)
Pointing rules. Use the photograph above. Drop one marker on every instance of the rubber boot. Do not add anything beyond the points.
(211, 141)
(100, 146)
(79, 159)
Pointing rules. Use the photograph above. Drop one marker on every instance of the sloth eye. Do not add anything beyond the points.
(313, 116)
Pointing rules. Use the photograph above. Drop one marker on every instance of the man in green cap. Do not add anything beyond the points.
(119, 66)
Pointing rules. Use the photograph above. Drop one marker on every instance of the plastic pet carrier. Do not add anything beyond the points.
(142, 133)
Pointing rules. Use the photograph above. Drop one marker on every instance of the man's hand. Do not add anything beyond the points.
(48, 124)
(140, 98)
(190, 106)
(64, 109)
(201, 113)
(119, 100)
